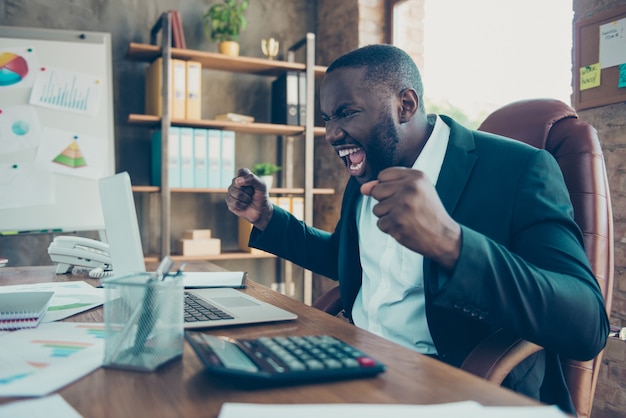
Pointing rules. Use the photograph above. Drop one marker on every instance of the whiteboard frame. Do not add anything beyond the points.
(76, 204)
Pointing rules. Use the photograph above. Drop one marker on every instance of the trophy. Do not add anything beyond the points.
(270, 47)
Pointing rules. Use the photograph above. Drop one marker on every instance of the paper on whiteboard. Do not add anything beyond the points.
(20, 129)
(71, 91)
(73, 154)
(25, 184)
(18, 67)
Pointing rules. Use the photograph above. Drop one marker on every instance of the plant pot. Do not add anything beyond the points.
(268, 180)
(228, 48)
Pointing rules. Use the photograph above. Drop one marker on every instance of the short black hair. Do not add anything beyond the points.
(385, 65)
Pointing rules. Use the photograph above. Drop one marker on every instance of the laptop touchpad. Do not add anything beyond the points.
(234, 301)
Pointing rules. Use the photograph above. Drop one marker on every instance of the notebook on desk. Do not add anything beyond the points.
(122, 230)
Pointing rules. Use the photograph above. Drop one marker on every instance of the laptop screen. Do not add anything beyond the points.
(122, 229)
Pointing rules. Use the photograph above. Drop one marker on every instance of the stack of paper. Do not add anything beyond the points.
(70, 298)
(468, 409)
(38, 361)
(53, 406)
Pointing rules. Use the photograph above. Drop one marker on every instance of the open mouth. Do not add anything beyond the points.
(354, 159)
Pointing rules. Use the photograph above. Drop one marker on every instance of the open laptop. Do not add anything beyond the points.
(122, 230)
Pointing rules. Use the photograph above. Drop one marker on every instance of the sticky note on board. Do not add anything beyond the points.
(621, 82)
(590, 76)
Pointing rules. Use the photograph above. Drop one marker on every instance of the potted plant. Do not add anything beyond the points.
(266, 171)
(223, 22)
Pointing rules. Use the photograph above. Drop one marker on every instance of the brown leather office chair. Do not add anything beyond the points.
(553, 125)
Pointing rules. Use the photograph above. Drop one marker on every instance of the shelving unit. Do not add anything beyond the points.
(228, 255)
(248, 65)
(274, 190)
(249, 128)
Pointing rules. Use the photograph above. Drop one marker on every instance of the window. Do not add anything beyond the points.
(482, 54)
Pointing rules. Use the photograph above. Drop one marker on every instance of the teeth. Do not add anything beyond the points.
(356, 167)
(344, 152)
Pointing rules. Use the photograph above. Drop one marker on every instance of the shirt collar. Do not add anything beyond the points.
(431, 158)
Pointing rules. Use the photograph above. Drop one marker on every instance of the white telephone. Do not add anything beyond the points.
(70, 251)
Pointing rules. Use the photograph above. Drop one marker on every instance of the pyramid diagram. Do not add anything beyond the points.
(71, 156)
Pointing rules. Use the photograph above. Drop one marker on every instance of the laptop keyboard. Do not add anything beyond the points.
(199, 310)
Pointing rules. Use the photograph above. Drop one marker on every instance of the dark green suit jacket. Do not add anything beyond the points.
(522, 265)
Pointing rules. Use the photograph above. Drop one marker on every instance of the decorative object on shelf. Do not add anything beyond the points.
(244, 230)
(266, 171)
(199, 242)
(235, 117)
(223, 22)
(178, 35)
(270, 47)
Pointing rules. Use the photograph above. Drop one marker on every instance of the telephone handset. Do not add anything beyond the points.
(70, 251)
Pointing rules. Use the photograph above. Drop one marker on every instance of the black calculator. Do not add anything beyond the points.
(293, 359)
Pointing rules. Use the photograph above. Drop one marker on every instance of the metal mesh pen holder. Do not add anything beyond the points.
(143, 319)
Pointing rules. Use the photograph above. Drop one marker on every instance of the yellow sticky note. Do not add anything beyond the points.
(590, 76)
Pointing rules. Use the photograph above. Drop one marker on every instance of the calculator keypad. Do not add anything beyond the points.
(285, 359)
(302, 353)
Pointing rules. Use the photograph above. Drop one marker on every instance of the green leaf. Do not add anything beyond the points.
(265, 169)
(224, 21)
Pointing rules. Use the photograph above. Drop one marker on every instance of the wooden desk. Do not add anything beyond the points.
(181, 389)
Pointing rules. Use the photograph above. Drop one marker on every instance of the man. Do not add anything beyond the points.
(446, 234)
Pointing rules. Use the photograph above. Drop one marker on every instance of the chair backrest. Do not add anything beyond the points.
(555, 126)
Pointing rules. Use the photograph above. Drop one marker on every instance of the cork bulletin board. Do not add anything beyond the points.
(587, 54)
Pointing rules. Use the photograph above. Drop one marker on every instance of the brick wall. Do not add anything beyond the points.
(371, 22)
(610, 122)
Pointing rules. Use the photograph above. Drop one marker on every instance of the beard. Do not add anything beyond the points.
(384, 140)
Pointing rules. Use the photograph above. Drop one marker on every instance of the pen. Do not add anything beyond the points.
(147, 318)
(164, 268)
(126, 331)
(180, 270)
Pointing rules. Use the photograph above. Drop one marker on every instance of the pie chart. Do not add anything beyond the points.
(13, 68)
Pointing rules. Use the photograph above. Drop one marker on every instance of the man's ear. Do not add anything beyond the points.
(409, 104)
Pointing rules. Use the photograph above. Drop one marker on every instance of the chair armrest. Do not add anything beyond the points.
(495, 357)
(330, 302)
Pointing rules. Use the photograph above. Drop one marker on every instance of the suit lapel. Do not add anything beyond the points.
(455, 171)
(350, 273)
(457, 165)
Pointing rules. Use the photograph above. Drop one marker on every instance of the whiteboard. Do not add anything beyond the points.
(56, 129)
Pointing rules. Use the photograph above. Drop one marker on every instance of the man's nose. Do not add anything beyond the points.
(333, 132)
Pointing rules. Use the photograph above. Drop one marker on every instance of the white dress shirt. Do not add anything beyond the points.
(391, 300)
